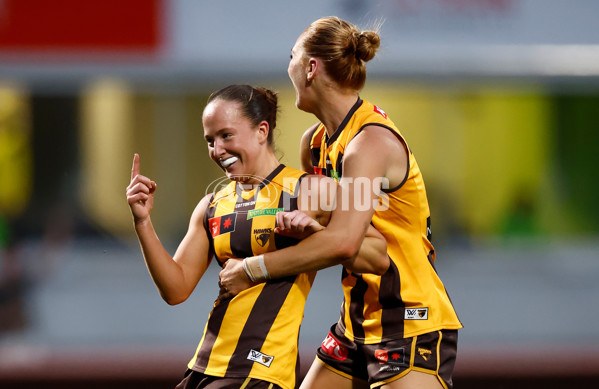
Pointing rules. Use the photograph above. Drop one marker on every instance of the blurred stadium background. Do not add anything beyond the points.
(499, 100)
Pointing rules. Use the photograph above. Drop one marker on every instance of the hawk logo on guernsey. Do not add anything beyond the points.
(261, 358)
(416, 314)
(380, 112)
(222, 224)
(261, 235)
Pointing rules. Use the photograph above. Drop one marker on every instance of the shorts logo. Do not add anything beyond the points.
(222, 224)
(261, 235)
(424, 353)
(331, 346)
(391, 357)
(262, 359)
(416, 314)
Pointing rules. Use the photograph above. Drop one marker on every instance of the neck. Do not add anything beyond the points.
(264, 165)
(333, 108)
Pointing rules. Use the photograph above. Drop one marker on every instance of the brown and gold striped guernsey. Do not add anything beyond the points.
(409, 299)
(254, 334)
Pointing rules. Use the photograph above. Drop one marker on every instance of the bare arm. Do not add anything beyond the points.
(372, 256)
(374, 245)
(367, 159)
(305, 157)
(316, 202)
(375, 153)
(175, 277)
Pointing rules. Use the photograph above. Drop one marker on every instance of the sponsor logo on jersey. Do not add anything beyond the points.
(259, 212)
(391, 357)
(416, 314)
(261, 235)
(245, 204)
(222, 224)
(334, 174)
(261, 358)
(331, 346)
(424, 353)
(380, 112)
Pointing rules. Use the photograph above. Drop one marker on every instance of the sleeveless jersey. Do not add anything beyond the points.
(409, 299)
(255, 334)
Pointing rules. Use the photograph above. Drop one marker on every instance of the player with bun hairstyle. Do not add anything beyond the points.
(397, 328)
(250, 340)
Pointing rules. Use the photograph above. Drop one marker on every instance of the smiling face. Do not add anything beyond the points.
(234, 143)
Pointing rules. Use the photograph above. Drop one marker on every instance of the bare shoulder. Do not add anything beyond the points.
(377, 137)
(376, 152)
(197, 216)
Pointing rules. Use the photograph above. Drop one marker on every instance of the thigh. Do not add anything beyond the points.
(415, 379)
(322, 376)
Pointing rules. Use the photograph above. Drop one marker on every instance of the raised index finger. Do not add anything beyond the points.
(135, 168)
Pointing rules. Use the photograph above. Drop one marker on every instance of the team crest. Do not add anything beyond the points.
(262, 235)
(424, 353)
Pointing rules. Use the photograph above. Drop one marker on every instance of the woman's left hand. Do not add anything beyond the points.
(296, 224)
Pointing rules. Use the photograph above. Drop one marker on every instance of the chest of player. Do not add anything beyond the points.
(242, 227)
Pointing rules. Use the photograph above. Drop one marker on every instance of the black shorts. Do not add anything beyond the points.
(378, 364)
(197, 380)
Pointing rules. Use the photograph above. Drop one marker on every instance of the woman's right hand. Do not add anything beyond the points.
(140, 193)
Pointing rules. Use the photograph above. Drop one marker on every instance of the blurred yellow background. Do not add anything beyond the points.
(488, 153)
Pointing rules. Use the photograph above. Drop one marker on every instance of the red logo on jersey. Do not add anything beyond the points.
(380, 112)
(222, 224)
(331, 346)
(319, 171)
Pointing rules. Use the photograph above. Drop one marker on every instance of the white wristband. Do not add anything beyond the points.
(247, 271)
(255, 268)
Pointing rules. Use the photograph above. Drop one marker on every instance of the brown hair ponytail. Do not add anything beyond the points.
(343, 49)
